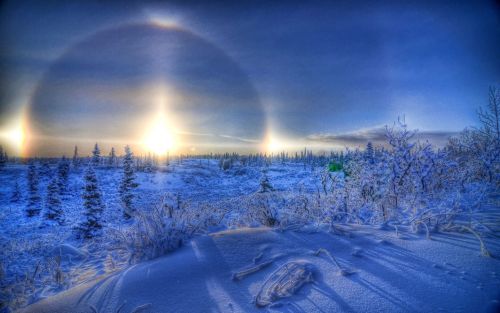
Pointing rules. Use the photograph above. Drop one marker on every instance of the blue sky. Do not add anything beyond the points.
(316, 73)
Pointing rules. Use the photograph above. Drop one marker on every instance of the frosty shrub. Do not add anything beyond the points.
(477, 150)
(303, 208)
(262, 208)
(278, 209)
(226, 164)
(164, 228)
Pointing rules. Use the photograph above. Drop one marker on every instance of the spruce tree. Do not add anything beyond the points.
(128, 183)
(3, 158)
(34, 198)
(45, 169)
(265, 185)
(92, 203)
(112, 157)
(62, 175)
(96, 155)
(369, 152)
(76, 160)
(148, 164)
(53, 209)
(16, 193)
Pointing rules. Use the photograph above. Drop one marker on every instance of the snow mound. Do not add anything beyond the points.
(287, 271)
(69, 253)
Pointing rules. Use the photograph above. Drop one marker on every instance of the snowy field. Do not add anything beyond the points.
(30, 245)
(234, 248)
(258, 270)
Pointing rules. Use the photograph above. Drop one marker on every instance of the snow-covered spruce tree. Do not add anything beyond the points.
(265, 185)
(53, 210)
(63, 175)
(76, 158)
(45, 170)
(112, 160)
(128, 183)
(16, 193)
(33, 195)
(3, 158)
(148, 164)
(93, 205)
(96, 155)
(369, 152)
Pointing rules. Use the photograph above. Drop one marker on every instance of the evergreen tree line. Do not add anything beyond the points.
(57, 188)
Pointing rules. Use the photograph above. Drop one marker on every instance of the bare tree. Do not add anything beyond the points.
(490, 117)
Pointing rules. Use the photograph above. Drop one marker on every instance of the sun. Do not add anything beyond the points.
(159, 139)
(273, 145)
(15, 134)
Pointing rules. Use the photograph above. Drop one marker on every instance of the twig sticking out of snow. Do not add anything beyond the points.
(342, 271)
(332, 258)
(484, 251)
(247, 271)
(252, 269)
(428, 235)
(257, 258)
(141, 308)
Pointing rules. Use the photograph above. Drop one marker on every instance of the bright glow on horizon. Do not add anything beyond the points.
(273, 144)
(15, 134)
(160, 138)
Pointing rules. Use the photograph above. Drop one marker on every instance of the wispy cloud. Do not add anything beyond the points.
(377, 135)
(223, 136)
(247, 140)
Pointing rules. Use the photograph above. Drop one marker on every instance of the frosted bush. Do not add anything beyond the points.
(164, 228)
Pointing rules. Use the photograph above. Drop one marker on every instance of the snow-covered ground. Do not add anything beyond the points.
(230, 267)
(30, 245)
(261, 270)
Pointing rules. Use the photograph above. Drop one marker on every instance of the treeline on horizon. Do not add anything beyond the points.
(488, 130)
